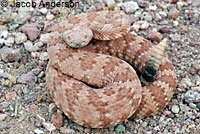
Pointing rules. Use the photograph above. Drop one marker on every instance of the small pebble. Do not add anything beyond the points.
(3, 125)
(143, 3)
(57, 120)
(11, 95)
(64, 130)
(50, 127)
(175, 23)
(3, 28)
(39, 121)
(131, 6)
(44, 38)
(3, 117)
(22, 17)
(26, 78)
(10, 41)
(192, 96)
(120, 129)
(173, 13)
(44, 56)
(148, 17)
(38, 131)
(153, 8)
(163, 14)
(175, 37)
(175, 109)
(33, 106)
(155, 36)
(50, 17)
(20, 38)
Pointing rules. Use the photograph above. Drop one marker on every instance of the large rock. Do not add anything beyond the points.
(31, 31)
(9, 54)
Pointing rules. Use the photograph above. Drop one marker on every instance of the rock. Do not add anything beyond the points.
(140, 25)
(110, 3)
(155, 36)
(3, 28)
(33, 106)
(4, 34)
(138, 14)
(31, 31)
(163, 14)
(39, 121)
(20, 38)
(31, 97)
(9, 54)
(13, 27)
(175, 37)
(196, 3)
(43, 11)
(57, 120)
(38, 131)
(11, 95)
(1, 42)
(50, 127)
(64, 130)
(39, 44)
(164, 22)
(30, 47)
(192, 105)
(3, 74)
(3, 125)
(3, 117)
(173, 13)
(44, 38)
(157, 17)
(175, 109)
(22, 17)
(153, 8)
(130, 6)
(180, 5)
(10, 41)
(44, 56)
(35, 55)
(174, 1)
(50, 17)
(42, 74)
(175, 23)
(184, 108)
(143, 3)
(148, 18)
(167, 112)
(52, 108)
(192, 96)
(26, 78)
(120, 129)
(164, 29)
(36, 71)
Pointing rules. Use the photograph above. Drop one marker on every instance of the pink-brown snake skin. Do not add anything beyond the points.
(96, 85)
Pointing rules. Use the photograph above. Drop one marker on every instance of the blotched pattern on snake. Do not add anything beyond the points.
(96, 85)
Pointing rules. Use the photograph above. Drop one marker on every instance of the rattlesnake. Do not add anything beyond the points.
(95, 85)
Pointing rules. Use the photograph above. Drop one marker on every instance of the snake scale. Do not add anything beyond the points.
(96, 83)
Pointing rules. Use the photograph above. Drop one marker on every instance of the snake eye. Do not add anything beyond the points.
(86, 36)
(69, 37)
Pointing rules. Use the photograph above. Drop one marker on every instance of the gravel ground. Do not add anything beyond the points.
(23, 60)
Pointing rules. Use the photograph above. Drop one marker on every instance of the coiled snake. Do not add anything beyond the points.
(96, 85)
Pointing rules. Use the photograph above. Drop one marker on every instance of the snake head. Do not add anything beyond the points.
(77, 36)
